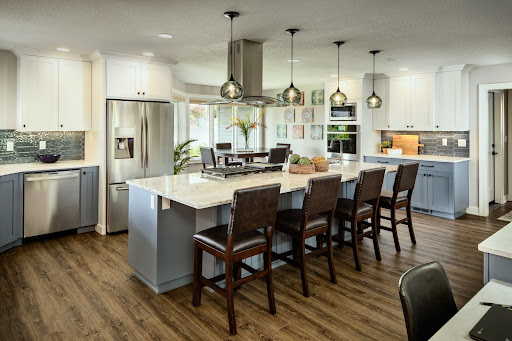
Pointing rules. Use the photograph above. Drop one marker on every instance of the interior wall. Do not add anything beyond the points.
(509, 143)
(505, 144)
(500, 73)
(8, 86)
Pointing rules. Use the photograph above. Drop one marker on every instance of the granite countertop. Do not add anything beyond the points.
(39, 166)
(500, 243)
(423, 157)
(198, 191)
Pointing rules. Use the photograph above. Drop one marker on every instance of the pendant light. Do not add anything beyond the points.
(338, 99)
(231, 90)
(292, 94)
(374, 101)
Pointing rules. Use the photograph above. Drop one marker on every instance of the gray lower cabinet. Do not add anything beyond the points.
(441, 188)
(11, 211)
(89, 196)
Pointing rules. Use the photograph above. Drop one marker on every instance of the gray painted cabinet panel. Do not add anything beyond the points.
(89, 196)
(440, 192)
(11, 209)
(420, 192)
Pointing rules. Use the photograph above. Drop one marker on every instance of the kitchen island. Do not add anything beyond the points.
(165, 213)
(497, 251)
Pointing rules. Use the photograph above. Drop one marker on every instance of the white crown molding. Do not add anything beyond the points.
(108, 54)
(27, 51)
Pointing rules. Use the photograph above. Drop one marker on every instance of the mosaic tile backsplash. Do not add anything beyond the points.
(70, 144)
(433, 141)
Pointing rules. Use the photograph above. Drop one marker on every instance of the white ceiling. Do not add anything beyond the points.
(411, 33)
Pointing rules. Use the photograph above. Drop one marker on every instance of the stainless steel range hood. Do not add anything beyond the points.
(248, 71)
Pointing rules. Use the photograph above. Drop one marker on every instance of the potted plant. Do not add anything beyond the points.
(385, 145)
(300, 165)
(181, 156)
(246, 126)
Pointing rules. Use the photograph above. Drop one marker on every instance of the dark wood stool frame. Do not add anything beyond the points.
(357, 222)
(264, 215)
(328, 185)
(404, 181)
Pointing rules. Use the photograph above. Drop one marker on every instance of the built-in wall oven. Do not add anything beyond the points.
(346, 138)
(348, 112)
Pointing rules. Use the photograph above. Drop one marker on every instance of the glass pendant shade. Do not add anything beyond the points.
(231, 90)
(292, 95)
(338, 99)
(374, 102)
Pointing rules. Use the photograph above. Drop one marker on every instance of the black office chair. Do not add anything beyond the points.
(277, 155)
(427, 300)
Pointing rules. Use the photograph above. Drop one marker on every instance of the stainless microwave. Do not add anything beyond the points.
(344, 113)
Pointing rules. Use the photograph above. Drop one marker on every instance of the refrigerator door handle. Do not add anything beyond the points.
(141, 139)
(147, 142)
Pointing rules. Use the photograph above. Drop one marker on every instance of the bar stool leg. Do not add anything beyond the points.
(394, 229)
(237, 273)
(303, 275)
(354, 244)
(341, 232)
(270, 284)
(198, 269)
(378, 219)
(229, 297)
(330, 256)
(374, 236)
(409, 223)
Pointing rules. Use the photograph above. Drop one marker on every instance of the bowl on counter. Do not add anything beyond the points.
(49, 158)
(396, 151)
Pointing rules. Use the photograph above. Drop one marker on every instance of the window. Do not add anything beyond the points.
(178, 102)
(199, 128)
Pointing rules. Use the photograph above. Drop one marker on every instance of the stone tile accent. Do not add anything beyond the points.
(70, 144)
(433, 141)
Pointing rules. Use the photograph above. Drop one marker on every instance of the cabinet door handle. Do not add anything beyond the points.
(62, 125)
(424, 174)
(407, 126)
(143, 93)
(430, 175)
(24, 126)
(382, 161)
(437, 126)
(427, 166)
(138, 92)
(388, 126)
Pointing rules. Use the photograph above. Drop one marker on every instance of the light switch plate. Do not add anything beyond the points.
(42, 144)
(462, 143)
(445, 142)
(10, 146)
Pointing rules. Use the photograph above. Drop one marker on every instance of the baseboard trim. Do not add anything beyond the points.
(100, 229)
(473, 210)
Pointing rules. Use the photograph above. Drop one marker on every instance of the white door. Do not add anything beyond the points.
(448, 98)
(156, 81)
(422, 102)
(74, 95)
(39, 94)
(123, 79)
(399, 102)
(380, 116)
(491, 162)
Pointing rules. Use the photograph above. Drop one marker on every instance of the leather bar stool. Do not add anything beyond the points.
(277, 155)
(287, 146)
(356, 211)
(314, 219)
(252, 209)
(404, 181)
(230, 163)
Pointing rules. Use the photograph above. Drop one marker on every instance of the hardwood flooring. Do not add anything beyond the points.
(81, 287)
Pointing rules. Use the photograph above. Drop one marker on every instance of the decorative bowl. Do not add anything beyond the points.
(397, 151)
(321, 167)
(49, 158)
(301, 169)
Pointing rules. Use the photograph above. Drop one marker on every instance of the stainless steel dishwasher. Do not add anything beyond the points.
(52, 202)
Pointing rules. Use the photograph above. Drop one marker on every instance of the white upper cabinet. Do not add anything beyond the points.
(352, 88)
(38, 94)
(54, 94)
(399, 102)
(422, 102)
(381, 116)
(134, 80)
(451, 97)
(74, 95)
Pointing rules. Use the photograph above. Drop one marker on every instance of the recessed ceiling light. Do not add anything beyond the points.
(165, 35)
(148, 54)
(334, 75)
(294, 60)
(62, 49)
(404, 69)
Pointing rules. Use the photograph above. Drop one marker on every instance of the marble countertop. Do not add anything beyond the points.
(423, 157)
(39, 166)
(500, 243)
(198, 191)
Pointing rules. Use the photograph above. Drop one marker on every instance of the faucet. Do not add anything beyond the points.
(331, 146)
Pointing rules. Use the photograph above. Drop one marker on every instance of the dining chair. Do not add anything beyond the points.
(207, 157)
(287, 146)
(314, 219)
(363, 206)
(427, 300)
(252, 209)
(277, 155)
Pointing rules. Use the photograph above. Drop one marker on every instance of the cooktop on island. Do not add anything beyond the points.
(250, 168)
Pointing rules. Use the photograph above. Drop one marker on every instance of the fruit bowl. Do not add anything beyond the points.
(49, 158)
(301, 169)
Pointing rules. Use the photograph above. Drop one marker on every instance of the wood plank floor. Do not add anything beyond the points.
(81, 287)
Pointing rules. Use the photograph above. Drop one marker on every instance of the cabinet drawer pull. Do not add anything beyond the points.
(427, 166)
(382, 161)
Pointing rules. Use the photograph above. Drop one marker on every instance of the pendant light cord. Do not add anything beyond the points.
(338, 67)
(232, 54)
(373, 75)
(291, 81)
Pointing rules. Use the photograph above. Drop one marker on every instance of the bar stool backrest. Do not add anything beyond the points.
(369, 185)
(207, 156)
(277, 155)
(405, 177)
(254, 208)
(321, 195)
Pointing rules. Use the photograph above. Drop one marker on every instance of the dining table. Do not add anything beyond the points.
(246, 155)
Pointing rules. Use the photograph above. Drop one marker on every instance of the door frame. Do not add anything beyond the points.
(483, 153)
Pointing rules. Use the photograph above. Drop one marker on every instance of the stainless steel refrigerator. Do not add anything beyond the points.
(139, 145)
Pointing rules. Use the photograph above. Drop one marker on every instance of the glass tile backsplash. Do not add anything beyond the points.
(70, 144)
(433, 141)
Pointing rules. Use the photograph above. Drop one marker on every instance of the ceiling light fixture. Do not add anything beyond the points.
(62, 49)
(165, 35)
(294, 60)
(148, 54)
(338, 99)
(292, 95)
(404, 69)
(374, 101)
(231, 90)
